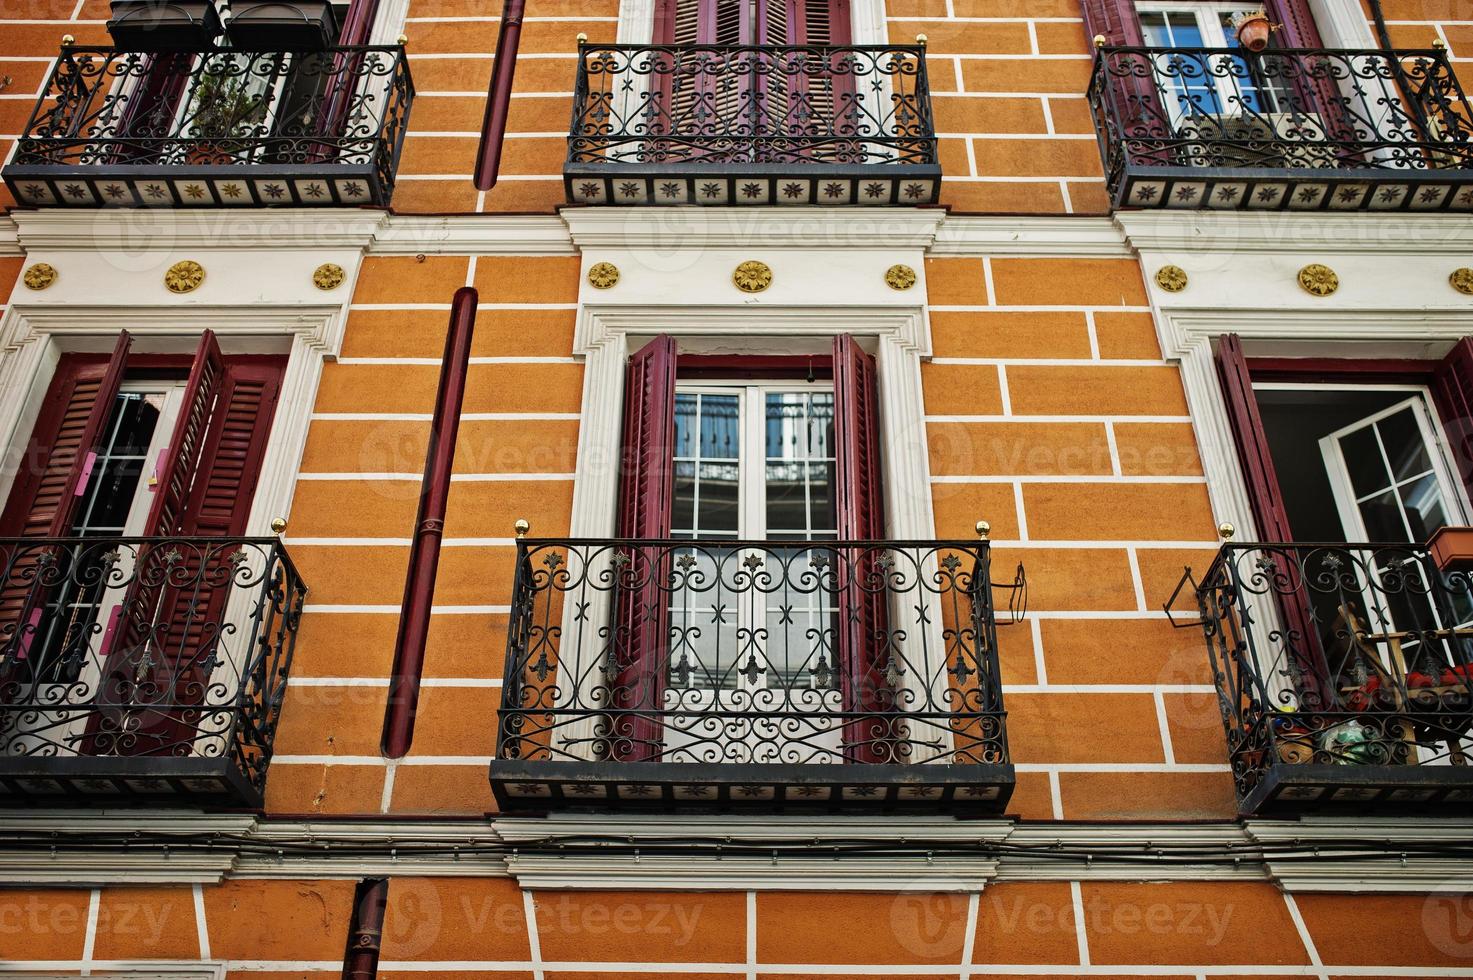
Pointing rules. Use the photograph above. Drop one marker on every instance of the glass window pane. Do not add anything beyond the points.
(716, 508)
(683, 510)
(720, 428)
(1405, 446)
(1382, 517)
(138, 416)
(821, 515)
(685, 425)
(115, 483)
(1422, 500)
(786, 507)
(1363, 462)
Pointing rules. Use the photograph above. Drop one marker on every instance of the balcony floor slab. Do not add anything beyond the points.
(1271, 189)
(977, 789)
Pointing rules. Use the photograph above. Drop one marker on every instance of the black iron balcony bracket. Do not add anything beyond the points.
(1344, 673)
(216, 128)
(143, 670)
(1295, 129)
(752, 125)
(794, 675)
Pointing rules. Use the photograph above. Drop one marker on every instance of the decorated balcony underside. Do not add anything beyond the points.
(1344, 674)
(726, 125)
(1280, 129)
(146, 670)
(219, 128)
(777, 674)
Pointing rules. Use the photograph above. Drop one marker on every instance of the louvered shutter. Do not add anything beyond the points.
(1301, 639)
(864, 653)
(172, 635)
(43, 501)
(1130, 87)
(1452, 391)
(642, 615)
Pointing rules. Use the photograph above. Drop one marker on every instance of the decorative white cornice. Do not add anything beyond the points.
(1028, 237)
(1295, 233)
(473, 234)
(1334, 868)
(68, 864)
(1092, 852)
(737, 852)
(137, 230)
(820, 865)
(9, 243)
(672, 229)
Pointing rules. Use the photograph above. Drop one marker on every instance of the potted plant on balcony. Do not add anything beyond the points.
(222, 111)
(1253, 28)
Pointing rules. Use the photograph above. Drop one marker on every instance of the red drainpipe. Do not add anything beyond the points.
(365, 932)
(424, 553)
(498, 99)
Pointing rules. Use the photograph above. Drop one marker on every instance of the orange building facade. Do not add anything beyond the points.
(948, 434)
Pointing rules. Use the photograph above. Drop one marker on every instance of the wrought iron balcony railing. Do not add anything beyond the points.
(1283, 128)
(759, 125)
(144, 668)
(778, 673)
(1344, 673)
(219, 128)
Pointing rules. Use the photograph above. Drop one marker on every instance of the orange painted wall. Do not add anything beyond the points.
(487, 927)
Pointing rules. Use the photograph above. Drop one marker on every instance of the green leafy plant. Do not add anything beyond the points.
(224, 106)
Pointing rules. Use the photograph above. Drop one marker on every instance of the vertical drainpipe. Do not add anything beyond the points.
(498, 98)
(429, 529)
(366, 930)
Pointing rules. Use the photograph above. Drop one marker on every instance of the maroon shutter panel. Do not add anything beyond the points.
(1258, 466)
(859, 510)
(43, 499)
(176, 471)
(1296, 24)
(1301, 641)
(1116, 20)
(646, 489)
(1452, 391)
(171, 635)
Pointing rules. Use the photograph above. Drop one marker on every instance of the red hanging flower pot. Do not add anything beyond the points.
(1253, 30)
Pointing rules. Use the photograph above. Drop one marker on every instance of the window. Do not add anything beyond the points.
(766, 465)
(1207, 84)
(127, 448)
(1356, 452)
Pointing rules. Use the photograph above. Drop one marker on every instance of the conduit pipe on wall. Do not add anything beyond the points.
(429, 529)
(366, 931)
(498, 97)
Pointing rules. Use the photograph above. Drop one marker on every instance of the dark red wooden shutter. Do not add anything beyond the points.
(860, 513)
(1300, 639)
(646, 491)
(176, 472)
(1116, 20)
(1258, 466)
(172, 636)
(1296, 24)
(1452, 392)
(51, 478)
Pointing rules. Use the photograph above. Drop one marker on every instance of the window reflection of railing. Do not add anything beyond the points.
(1344, 113)
(1340, 658)
(138, 651)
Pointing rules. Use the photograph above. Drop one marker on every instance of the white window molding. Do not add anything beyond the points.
(258, 296)
(1242, 270)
